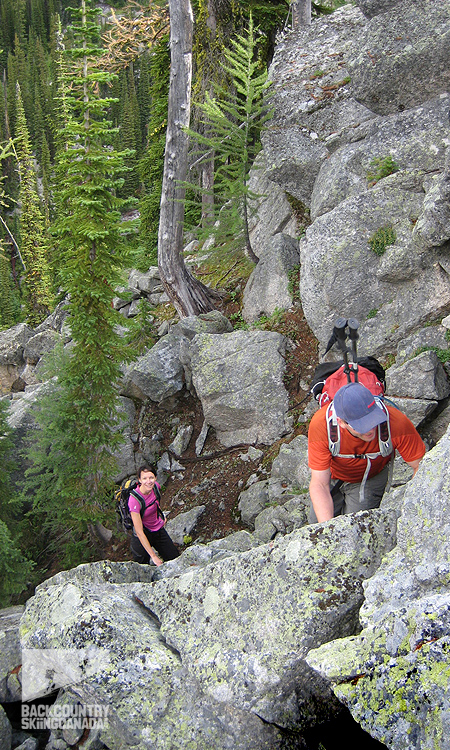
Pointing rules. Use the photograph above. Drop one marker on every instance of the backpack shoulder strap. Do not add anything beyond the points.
(333, 431)
(384, 432)
(141, 500)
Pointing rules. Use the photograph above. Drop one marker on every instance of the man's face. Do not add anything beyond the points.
(367, 437)
(147, 480)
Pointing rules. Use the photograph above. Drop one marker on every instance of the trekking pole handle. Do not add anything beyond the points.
(339, 331)
(353, 326)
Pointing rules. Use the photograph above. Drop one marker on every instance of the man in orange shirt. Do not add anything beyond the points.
(366, 433)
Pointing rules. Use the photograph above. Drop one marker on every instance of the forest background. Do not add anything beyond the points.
(83, 118)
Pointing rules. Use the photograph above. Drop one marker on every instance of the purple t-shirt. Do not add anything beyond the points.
(150, 518)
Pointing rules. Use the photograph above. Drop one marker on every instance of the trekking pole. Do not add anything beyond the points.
(340, 335)
(353, 326)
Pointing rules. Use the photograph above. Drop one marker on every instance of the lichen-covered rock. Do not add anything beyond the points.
(210, 322)
(238, 378)
(209, 645)
(280, 519)
(181, 440)
(270, 212)
(414, 140)
(416, 409)
(5, 730)
(148, 282)
(39, 344)
(420, 377)
(151, 697)
(372, 8)
(158, 374)
(312, 99)
(291, 464)
(12, 342)
(341, 275)
(395, 675)
(268, 288)
(10, 653)
(252, 501)
(22, 421)
(244, 624)
(184, 523)
(429, 337)
(402, 59)
(433, 225)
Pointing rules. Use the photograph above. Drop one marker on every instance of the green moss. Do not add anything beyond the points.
(381, 239)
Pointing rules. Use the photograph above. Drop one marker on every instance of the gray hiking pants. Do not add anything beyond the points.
(346, 499)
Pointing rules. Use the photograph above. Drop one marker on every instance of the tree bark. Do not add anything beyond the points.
(188, 295)
(301, 13)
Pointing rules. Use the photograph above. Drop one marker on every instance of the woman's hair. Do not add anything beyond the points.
(145, 467)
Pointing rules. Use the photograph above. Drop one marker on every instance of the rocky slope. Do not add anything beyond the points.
(245, 641)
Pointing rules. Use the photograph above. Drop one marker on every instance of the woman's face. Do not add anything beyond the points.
(146, 480)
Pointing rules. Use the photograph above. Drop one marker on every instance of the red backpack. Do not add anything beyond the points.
(325, 389)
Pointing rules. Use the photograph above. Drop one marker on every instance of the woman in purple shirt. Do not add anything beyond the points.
(148, 528)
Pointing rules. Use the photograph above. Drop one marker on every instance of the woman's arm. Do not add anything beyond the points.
(139, 529)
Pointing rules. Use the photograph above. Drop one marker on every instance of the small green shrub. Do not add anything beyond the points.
(442, 354)
(379, 168)
(381, 239)
(372, 313)
(187, 540)
(294, 282)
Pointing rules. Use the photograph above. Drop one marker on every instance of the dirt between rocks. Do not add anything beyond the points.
(217, 477)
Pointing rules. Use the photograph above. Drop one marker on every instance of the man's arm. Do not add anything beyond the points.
(414, 464)
(319, 492)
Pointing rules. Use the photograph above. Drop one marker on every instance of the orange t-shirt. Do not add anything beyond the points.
(404, 435)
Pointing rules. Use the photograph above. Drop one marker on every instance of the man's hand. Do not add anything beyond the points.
(319, 491)
(414, 464)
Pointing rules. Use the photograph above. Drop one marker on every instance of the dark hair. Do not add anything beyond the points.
(145, 467)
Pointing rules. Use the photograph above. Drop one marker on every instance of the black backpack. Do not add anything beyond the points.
(122, 495)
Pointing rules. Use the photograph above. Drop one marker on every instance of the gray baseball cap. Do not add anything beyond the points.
(357, 406)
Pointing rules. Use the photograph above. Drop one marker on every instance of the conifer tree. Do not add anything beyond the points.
(10, 306)
(3, 131)
(15, 567)
(46, 175)
(143, 96)
(33, 239)
(232, 138)
(73, 461)
(127, 135)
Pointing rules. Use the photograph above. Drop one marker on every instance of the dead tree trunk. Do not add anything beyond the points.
(301, 13)
(188, 295)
